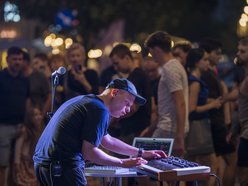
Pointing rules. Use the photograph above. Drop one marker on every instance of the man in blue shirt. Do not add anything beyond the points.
(78, 128)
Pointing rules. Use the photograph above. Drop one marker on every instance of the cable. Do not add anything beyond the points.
(196, 183)
(51, 178)
(216, 178)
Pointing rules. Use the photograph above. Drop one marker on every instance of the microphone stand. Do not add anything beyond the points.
(55, 83)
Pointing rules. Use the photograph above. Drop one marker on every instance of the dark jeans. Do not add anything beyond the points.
(70, 176)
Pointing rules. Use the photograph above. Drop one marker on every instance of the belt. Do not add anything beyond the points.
(62, 163)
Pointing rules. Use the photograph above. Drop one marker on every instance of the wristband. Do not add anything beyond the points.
(140, 152)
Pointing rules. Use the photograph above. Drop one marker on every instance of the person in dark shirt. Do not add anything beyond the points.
(139, 117)
(40, 95)
(151, 67)
(242, 162)
(76, 130)
(181, 50)
(14, 98)
(79, 79)
(218, 117)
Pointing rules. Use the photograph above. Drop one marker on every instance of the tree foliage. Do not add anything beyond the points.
(191, 19)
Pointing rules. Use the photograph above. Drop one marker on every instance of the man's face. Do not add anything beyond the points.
(121, 103)
(180, 55)
(38, 64)
(121, 64)
(76, 57)
(215, 56)
(157, 55)
(15, 63)
(242, 54)
(151, 68)
(56, 63)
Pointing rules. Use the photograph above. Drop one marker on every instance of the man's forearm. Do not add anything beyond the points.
(96, 155)
(118, 146)
(232, 96)
(100, 157)
(180, 114)
(181, 118)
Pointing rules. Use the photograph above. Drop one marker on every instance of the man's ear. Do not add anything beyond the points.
(114, 92)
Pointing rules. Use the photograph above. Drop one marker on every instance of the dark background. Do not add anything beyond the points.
(190, 19)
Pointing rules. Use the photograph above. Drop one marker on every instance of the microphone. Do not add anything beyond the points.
(59, 72)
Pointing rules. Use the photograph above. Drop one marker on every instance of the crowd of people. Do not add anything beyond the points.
(185, 100)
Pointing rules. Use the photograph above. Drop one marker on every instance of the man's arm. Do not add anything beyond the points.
(96, 155)
(178, 98)
(233, 95)
(226, 105)
(118, 146)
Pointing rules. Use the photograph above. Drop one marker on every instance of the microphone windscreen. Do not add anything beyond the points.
(61, 70)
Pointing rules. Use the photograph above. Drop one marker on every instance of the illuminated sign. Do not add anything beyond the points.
(8, 34)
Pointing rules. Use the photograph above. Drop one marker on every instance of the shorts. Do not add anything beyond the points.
(199, 140)
(219, 133)
(8, 135)
(243, 153)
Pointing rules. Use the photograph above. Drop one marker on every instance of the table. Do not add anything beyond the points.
(171, 176)
(118, 177)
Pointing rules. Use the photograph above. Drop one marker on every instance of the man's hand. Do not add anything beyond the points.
(132, 162)
(153, 154)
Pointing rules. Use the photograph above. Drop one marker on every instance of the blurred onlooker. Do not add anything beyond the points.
(137, 58)
(139, 117)
(56, 61)
(180, 51)
(219, 117)
(242, 56)
(14, 98)
(151, 67)
(199, 141)
(79, 79)
(232, 96)
(24, 149)
(40, 62)
(40, 93)
(172, 92)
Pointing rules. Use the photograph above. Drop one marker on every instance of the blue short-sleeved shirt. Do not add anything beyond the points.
(80, 118)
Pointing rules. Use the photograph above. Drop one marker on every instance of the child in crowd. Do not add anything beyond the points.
(25, 145)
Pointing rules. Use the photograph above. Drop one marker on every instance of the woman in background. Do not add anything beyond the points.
(25, 145)
(199, 142)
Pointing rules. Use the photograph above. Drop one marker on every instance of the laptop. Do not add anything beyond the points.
(164, 144)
